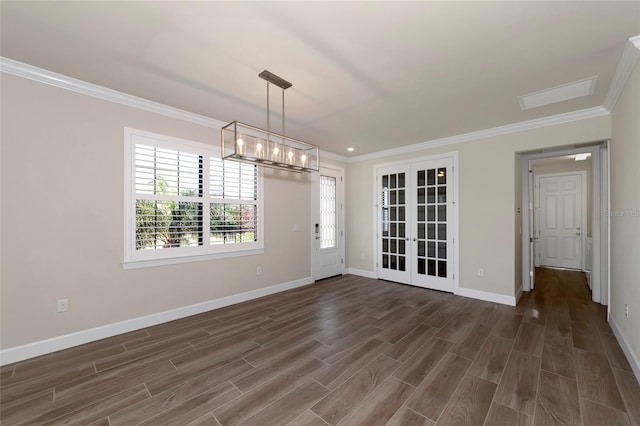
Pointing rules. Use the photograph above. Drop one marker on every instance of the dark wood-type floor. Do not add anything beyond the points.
(346, 351)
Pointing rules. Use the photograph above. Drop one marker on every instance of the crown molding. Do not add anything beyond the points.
(481, 134)
(630, 56)
(30, 72)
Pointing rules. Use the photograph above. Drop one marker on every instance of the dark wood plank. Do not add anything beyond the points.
(410, 343)
(114, 379)
(223, 370)
(598, 415)
(29, 387)
(432, 395)
(380, 406)
(470, 404)
(289, 406)
(530, 339)
(14, 412)
(418, 366)
(558, 401)
(519, 384)
(508, 325)
(336, 405)
(614, 352)
(333, 375)
(173, 397)
(595, 379)
(250, 403)
(297, 362)
(195, 407)
(557, 356)
(470, 346)
(71, 413)
(457, 328)
(585, 337)
(406, 417)
(490, 362)
(500, 415)
(331, 354)
(630, 391)
(308, 418)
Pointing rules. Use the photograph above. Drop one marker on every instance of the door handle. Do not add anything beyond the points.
(415, 239)
(578, 234)
(406, 239)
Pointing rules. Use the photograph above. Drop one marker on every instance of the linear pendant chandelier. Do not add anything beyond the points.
(249, 144)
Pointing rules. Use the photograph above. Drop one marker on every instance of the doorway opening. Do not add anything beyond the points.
(563, 222)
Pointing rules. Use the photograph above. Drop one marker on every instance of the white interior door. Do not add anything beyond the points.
(432, 224)
(415, 218)
(327, 223)
(560, 220)
(393, 218)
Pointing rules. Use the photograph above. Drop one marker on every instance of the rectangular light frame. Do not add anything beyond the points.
(248, 144)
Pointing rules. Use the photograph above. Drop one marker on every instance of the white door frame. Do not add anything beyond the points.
(315, 180)
(583, 209)
(456, 244)
(599, 220)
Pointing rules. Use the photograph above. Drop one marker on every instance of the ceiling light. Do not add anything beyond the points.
(351, 149)
(559, 93)
(248, 144)
(583, 156)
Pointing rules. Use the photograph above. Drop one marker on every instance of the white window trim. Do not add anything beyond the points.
(134, 259)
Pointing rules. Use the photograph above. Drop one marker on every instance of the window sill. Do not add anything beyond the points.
(149, 263)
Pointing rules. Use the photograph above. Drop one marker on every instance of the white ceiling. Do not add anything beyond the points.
(372, 75)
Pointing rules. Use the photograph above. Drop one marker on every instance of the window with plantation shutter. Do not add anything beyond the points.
(183, 203)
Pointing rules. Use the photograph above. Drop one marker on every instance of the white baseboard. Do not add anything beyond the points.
(362, 273)
(631, 357)
(31, 350)
(518, 294)
(487, 296)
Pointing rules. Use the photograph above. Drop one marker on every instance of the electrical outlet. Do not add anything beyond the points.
(626, 310)
(481, 272)
(259, 270)
(63, 305)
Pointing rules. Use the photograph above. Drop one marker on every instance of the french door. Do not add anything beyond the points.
(416, 223)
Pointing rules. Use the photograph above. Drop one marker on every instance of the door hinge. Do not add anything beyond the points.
(341, 233)
(342, 261)
(530, 273)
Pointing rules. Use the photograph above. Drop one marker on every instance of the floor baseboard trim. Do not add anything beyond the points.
(43, 347)
(362, 273)
(487, 296)
(631, 357)
(518, 294)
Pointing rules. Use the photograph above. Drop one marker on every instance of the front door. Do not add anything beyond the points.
(327, 232)
(560, 221)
